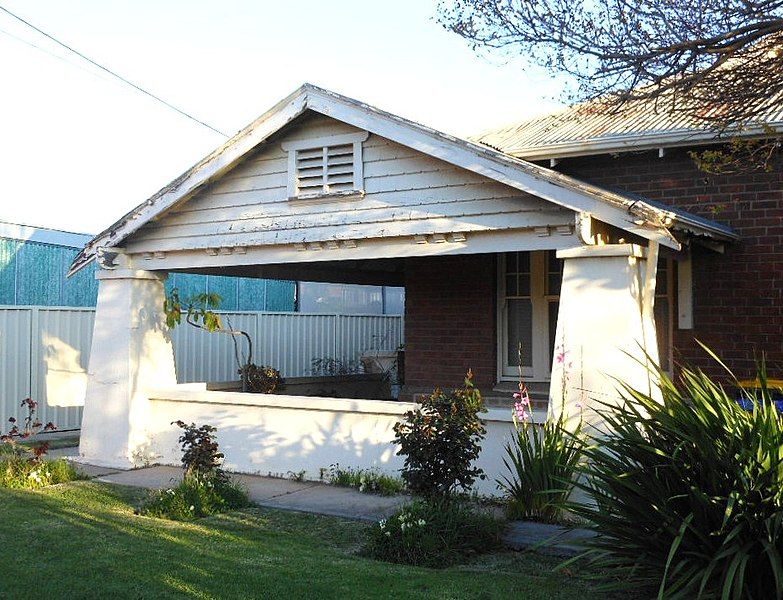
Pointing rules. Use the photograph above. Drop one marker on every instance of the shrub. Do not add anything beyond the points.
(205, 488)
(31, 426)
(23, 462)
(366, 480)
(440, 441)
(433, 534)
(261, 379)
(198, 495)
(541, 462)
(200, 452)
(687, 493)
(333, 367)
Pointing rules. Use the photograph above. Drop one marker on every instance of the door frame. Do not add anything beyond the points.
(540, 353)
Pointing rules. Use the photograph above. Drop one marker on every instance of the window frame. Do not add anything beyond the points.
(323, 143)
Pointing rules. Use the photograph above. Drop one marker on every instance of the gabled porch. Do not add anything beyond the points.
(494, 253)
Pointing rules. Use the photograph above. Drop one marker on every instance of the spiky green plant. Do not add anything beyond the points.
(541, 463)
(686, 492)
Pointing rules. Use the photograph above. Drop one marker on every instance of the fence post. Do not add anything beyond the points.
(338, 341)
(35, 354)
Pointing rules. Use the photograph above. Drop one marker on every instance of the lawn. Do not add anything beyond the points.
(82, 540)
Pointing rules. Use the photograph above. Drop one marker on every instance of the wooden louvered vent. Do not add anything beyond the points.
(334, 166)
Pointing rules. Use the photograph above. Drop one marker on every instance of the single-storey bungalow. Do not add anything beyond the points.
(568, 250)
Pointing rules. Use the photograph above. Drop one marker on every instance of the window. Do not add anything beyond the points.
(345, 299)
(325, 166)
(529, 299)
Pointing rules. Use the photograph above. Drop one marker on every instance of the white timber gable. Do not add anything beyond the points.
(320, 171)
(325, 185)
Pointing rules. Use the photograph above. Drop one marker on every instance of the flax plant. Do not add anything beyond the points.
(686, 493)
(541, 460)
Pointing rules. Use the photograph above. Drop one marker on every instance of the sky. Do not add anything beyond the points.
(79, 149)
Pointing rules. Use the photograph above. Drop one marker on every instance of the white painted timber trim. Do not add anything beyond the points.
(321, 142)
(685, 292)
(608, 250)
(325, 142)
(218, 162)
(479, 242)
(129, 274)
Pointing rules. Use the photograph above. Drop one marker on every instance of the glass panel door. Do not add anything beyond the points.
(529, 293)
(518, 312)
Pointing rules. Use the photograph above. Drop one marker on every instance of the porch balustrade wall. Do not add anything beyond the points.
(44, 351)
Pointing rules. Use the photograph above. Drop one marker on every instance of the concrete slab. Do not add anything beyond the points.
(272, 492)
(63, 452)
(155, 478)
(92, 471)
(337, 501)
(261, 489)
(546, 538)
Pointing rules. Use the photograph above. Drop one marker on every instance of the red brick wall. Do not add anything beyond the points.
(738, 296)
(449, 321)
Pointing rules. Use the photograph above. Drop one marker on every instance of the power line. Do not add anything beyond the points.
(112, 73)
(81, 67)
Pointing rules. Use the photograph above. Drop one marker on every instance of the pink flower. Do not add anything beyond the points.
(522, 396)
(520, 412)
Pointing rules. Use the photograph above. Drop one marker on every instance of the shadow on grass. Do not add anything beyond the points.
(83, 540)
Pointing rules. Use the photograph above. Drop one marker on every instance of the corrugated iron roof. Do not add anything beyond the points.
(593, 128)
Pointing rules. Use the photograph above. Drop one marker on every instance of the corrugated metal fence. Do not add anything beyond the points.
(44, 351)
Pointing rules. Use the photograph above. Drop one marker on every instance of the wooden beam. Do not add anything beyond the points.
(479, 242)
(685, 292)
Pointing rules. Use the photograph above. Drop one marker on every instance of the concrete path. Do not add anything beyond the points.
(272, 492)
(324, 499)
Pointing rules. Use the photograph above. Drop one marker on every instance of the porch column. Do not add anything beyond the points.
(605, 325)
(131, 353)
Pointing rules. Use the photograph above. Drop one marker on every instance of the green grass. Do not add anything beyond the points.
(19, 472)
(82, 540)
(369, 481)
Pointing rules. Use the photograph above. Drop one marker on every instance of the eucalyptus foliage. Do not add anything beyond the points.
(686, 493)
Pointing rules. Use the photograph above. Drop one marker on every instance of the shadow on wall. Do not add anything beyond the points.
(277, 441)
(66, 376)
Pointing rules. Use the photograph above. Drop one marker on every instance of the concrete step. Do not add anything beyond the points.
(546, 538)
